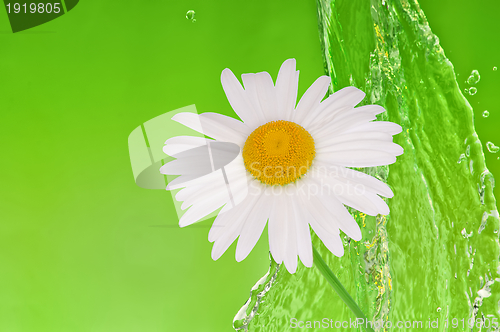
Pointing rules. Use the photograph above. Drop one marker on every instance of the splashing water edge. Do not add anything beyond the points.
(415, 264)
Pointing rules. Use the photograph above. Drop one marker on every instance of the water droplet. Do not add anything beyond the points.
(492, 147)
(495, 68)
(472, 90)
(486, 114)
(495, 231)
(465, 234)
(474, 77)
(438, 309)
(421, 81)
(190, 15)
(466, 90)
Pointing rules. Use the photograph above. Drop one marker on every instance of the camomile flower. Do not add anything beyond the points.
(289, 166)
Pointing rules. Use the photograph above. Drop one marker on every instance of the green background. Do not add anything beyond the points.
(82, 248)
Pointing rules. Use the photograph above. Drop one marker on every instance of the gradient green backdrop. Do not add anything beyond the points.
(82, 248)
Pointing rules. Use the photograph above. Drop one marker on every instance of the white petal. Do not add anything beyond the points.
(344, 99)
(252, 230)
(180, 144)
(320, 214)
(350, 113)
(345, 221)
(204, 193)
(290, 231)
(304, 243)
(261, 93)
(197, 180)
(370, 135)
(355, 145)
(334, 127)
(275, 228)
(286, 89)
(323, 224)
(352, 196)
(229, 213)
(239, 180)
(304, 246)
(373, 109)
(238, 100)
(382, 206)
(186, 192)
(331, 241)
(186, 166)
(311, 98)
(390, 128)
(225, 217)
(203, 208)
(225, 128)
(326, 208)
(179, 181)
(222, 244)
(232, 230)
(358, 158)
(355, 177)
(200, 161)
(203, 159)
(218, 126)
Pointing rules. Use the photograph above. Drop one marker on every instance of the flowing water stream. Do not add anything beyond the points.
(436, 255)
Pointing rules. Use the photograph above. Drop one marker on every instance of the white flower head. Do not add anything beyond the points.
(283, 163)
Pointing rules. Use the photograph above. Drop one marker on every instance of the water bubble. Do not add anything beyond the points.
(492, 147)
(438, 309)
(472, 90)
(190, 15)
(495, 68)
(486, 114)
(465, 234)
(474, 77)
(466, 90)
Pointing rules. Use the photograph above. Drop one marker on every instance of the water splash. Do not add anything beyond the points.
(474, 77)
(258, 291)
(190, 15)
(492, 147)
(417, 259)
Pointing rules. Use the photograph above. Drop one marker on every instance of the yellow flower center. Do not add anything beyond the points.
(278, 152)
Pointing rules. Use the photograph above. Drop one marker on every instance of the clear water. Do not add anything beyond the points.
(436, 255)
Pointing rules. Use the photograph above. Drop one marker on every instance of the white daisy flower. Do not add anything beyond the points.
(285, 163)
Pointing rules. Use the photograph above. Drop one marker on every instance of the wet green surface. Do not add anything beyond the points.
(436, 255)
(82, 248)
